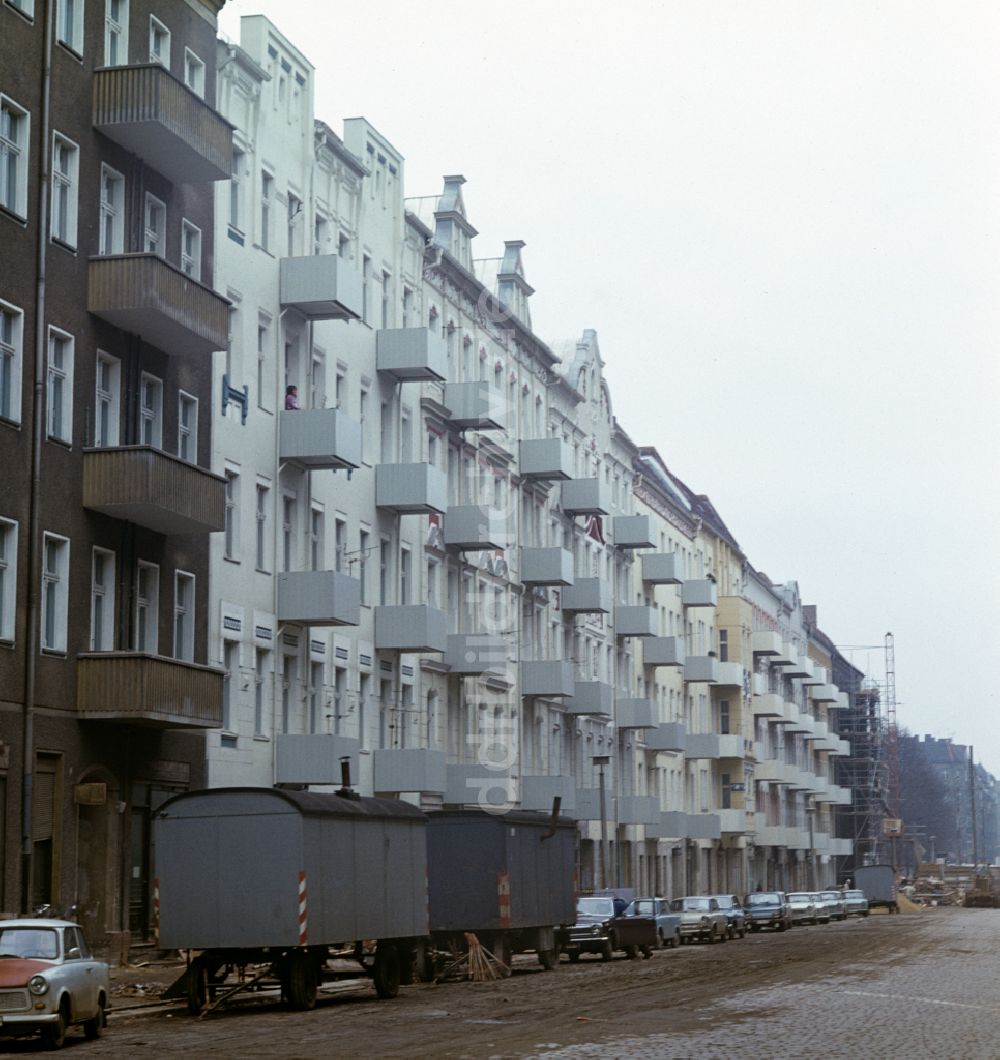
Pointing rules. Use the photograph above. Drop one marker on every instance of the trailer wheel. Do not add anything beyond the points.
(407, 963)
(423, 959)
(301, 980)
(385, 973)
(548, 959)
(500, 948)
(197, 986)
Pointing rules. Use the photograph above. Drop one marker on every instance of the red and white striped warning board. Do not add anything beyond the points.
(303, 911)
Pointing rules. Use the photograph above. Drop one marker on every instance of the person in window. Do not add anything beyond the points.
(292, 397)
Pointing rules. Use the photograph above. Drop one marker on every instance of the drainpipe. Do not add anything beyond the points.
(37, 440)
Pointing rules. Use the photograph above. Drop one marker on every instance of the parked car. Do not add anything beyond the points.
(735, 914)
(668, 925)
(802, 907)
(822, 910)
(701, 918)
(600, 929)
(833, 902)
(767, 909)
(856, 903)
(49, 981)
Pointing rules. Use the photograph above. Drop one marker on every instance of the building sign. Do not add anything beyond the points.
(892, 826)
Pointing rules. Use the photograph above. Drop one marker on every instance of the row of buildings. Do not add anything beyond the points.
(291, 483)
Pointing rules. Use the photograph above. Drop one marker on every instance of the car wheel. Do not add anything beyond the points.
(631, 952)
(54, 1034)
(660, 941)
(548, 959)
(574, 956)
(724, 934)
(607, 949)
(676, 940)
(646, 951)
(95, 1028)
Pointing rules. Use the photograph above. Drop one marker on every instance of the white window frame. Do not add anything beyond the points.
(236, 189)
(264, 324)
(26, 7)
(107, 397)
(59, 388)
(317, 537)
(69, 24)
(151, 414)
(262, 668)
(266, 202)
(147, 606)
(11, 361)
(262, 501)
(15, 143)
(116, 34)
(187, 433)
(194, 73)
(55, 592)
(65, 190)
(185, 600)
(191, 249)
(8, 578)
(102, 599)
(231, 531)
(112, 212)
(154, 222)
(231, 666)
(158, 30)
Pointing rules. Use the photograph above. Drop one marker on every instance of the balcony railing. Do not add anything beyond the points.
(411, 354)
(152, 114)
(546, 459)
(585, 496)
(319, 598)
(547, 566)
(701, 668)
(701, 592)
(148, 690)
(474, 405)
(149, 297)
(474, 527)
(411, 628)
(635, 620)
(547, 677)
(321, 287)
(411, 488)
(591, 697)
(667, 736)
(632, 531)
(150, 488)
(476, 653)
(320, 439)
(635, 713)
(587, 596)
(663, 651)
(662, 568)
(413, 769)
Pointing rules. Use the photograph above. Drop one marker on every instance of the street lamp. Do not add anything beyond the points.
(601, 761)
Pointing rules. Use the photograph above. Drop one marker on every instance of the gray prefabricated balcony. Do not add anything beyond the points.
(699, 668)
(585, 496)
(476, 653)
(410, 627)
(547, 566)
(702, 745)
(638, 809)
(591, 697)
(662, 568)
(411, 488)
(472, 784)
(538, 793)
(671, 825)
(319, 598)
(319, 439)
(314, 758)
(587, 595)
(474, 527)
(474, 404)
(632, 531)
(411, 354)
(704, 826)
(635, 621)
(667, 736)
(588, 804)
(824, 693)
(397, 770)
(545, 459)
(635, 714)
(731, 675)
(547, 677)
(766, 642)
(768, 705)
(321, 287)
(799, 667)
(663, 651)
(700, 592)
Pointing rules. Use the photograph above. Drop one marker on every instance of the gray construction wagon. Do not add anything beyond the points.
(264, 881)
(509, 878)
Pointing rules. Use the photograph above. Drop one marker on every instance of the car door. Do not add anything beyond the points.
(82, 974)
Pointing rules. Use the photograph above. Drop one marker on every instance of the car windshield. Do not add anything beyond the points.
(763, 898)
(595, 907)
(691, 905)
(830, 896)
(29, 942)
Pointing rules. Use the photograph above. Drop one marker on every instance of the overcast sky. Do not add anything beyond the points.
(782, 220)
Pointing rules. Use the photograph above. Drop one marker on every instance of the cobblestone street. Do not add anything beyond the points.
(918, 985)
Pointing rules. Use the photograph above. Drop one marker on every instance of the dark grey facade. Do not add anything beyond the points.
(105, 497)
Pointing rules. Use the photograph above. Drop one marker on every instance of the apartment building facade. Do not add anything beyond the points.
(108, 320)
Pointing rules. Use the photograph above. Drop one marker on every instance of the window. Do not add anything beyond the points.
(27, 8)
(723, 645)
(405, 575)
(194, 73)
(14, 128)
(151, 411)
(724, 717)
(191, 250)
(339, 544)
(287, 531)
(55, 592)
(231, 531)
(363, 414)
(60, 386)
(112, 235)
(317, 523)
(260, 560)
(315, 695)
(147, 607)
(266, 194)
(366, 275)
(343, 246)
(69, 24)
(236, 191)
(317, 380)
(155, 226)
(261, 668)
(363, 538)
(383, 572)
(294, 222)
(102, 600)
(11, 358)
(184, 616)
(187, 427)
(263, 345)
(230, 663)
(159, 42)
(116, 33)
(106, 400)
(407, 306)
(386, 289)
(8, 578)
(65, 170)
(320, 234)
